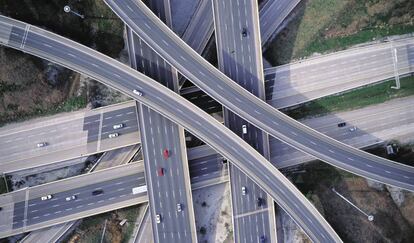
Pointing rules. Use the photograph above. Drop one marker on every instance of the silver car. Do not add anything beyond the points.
(113, 135)
(137, 92)
(41, 144)
(73, 197)
(179, 208)
(158, 218)
(243, 190)
(118, 126)
(47, 197)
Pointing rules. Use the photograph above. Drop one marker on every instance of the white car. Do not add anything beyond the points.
(47, 197)
(73, 197)
(137, 92)
(42, 144)
(118, 126)
(244, 129)
(179, 208)
(113, 135)
(243, 190)
(353, 129)
(158, 218)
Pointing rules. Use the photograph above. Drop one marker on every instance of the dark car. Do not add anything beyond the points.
(1, 208)
(224, 161)
(244, 32)
(341, 124)
(262, 239)
(97, 192)
(260, 201)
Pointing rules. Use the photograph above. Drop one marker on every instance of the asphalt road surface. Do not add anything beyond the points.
(240, 59)
(158, 134)
(67, 137)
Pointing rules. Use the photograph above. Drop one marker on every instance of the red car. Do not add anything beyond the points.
(166, 153)
(160, 171)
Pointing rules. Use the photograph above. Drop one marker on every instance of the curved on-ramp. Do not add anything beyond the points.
(209, 79)
(65, 52)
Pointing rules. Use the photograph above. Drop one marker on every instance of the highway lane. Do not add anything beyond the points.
(309, 79)
(69, 136)
(254, 110)
(200, 29)
(158, 134)
(124, 79)
(272, 15)
(239, 57)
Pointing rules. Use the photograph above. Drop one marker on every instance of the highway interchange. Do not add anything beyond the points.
(175, 108)
(22, 38)
(254, 110)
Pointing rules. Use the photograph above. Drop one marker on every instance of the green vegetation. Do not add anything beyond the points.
(3, 187)
(330, 25)
(71, 104)
(354, 99)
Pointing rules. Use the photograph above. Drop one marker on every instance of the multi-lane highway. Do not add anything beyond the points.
(67, 136)
(239, 57)
(309, 79)
(397, 122)
(47, 45)
(254, 110)
(164, 148)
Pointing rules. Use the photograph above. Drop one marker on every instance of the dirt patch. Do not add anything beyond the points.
(91, 229)
(213, 214)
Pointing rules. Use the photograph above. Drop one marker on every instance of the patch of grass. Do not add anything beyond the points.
(366, 35)
(3, 187)
(71, 104)
(328, 25)
(354, 99)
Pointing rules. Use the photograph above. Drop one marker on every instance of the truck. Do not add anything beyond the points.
(139, 189)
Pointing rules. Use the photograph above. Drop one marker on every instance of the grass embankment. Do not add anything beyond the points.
(354, 99)
(3, 187)
(330, 25)
(90, 230)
